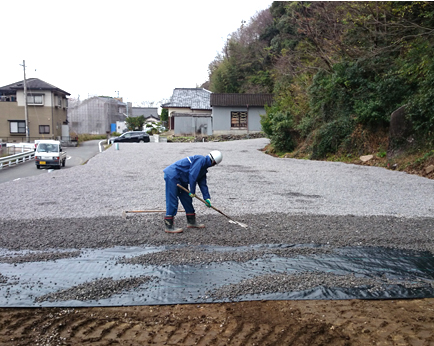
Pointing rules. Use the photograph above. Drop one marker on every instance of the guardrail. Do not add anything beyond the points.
(17, 139)
(16, 159)
(100, 145)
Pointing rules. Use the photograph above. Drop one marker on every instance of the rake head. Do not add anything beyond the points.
(238, 223)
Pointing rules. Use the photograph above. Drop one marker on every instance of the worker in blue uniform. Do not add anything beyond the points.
(187, 172)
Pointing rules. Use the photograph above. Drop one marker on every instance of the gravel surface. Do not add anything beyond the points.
(246, 182)
(38, 257)
(97, 289)
(280, 283)
(203, 257)
(292, 208)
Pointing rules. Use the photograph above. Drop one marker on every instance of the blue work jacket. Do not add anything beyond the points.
(191, 170)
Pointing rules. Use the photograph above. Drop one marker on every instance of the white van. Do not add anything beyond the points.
(49, 153)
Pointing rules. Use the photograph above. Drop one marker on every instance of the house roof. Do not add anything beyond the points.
(32, 84)
(233, 100)
(193, 98)
(145, 111)
(150, 117)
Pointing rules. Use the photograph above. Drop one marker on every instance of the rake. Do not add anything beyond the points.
(230, 219)
(125, 212)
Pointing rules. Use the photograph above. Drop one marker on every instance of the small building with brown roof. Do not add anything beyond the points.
(238, 113)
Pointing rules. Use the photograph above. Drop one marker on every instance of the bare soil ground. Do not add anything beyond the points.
(343, 322)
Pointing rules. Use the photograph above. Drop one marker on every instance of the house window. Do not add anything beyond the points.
(44, 129)
(238, 120)
(35, 99)
(17, 126)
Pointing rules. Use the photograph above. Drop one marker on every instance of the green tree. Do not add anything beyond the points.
(244, 66)
(135, 123)
(225, 78)
(278, 125)
(164, 114)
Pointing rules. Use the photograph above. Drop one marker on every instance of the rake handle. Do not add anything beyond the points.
(149, 211)
(200, 199)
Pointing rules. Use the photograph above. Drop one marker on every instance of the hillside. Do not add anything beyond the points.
(338, 71)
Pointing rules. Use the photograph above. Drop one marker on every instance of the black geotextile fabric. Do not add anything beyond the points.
(404, 273)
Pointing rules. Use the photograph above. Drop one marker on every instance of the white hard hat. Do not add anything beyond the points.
(216, 156)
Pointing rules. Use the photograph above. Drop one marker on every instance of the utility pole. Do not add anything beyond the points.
(26, 115)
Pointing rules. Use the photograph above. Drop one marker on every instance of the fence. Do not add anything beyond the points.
(16, 159)
(23, 139)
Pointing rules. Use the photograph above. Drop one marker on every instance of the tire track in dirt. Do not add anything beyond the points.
(301, 323)
(65, 327)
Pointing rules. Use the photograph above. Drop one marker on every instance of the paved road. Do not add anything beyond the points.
(75, 156)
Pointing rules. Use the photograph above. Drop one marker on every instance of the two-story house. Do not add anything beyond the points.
(46, 111)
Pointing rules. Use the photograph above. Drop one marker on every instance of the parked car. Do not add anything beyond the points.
(131, 137)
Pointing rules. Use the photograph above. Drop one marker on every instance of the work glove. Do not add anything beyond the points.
(208, 203)
(192, 195)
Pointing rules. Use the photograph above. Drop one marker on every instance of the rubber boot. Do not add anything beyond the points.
(169, 227)
(191, 222)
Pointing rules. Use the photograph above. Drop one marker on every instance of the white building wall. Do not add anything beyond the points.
(120, 126)
(48, 99)
(193, 126)
(222, 120)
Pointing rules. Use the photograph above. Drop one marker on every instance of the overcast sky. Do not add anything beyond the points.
(140, 49)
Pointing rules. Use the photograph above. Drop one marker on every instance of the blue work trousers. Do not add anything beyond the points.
(173, 192)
